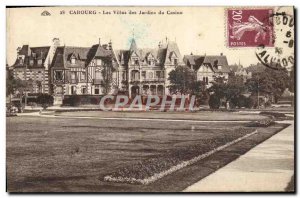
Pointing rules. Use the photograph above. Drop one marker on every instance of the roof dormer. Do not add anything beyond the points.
(73, 59)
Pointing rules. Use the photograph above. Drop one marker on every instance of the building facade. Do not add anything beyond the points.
(32, 65)
(79, 71)
(100, 69)
(208, 67)
(145, 71)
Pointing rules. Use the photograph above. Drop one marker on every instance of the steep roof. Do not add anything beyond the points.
(133, 46)
(161, 54)
(35, 57)
(194, 60)
(213, 61)
(83, 56)
(216, 60)
(24, 50)
(172, 47)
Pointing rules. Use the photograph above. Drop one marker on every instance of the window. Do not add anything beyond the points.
(34, 55)
(175, 61)
(136, 61)
(83, 89)
(157, 74)
(98, 62)
(31, 62)
(82, 77)
(20, 60)
(73, 60)
(150, 75)
(150, 61)
(124, 75)
(205, 80)
(97, 90)
(39, 86)
(40, 61)
(73, 90)
(58, 75)
(144, 74)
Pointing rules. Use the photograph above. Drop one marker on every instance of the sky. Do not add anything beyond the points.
(198, 30)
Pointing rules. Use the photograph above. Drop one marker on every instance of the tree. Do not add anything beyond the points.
(107, 76)
(292, 80)
(182, 80)
(226, 90)
(214, 101)
(45, 100)
(14, 85)
(270, 82)
(198, 88)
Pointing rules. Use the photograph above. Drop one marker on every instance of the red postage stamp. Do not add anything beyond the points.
(250, 27)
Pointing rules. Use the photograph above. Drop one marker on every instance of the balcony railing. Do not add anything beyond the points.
(153, 79)
(73, 81)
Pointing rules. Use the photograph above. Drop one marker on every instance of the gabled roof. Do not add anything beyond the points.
(216, 60)
(162, 54)
(84, 55)
(172, 47)
(194, 60)
(122, 55)
(212, 61)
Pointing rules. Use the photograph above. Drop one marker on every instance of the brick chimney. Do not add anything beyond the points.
(18, 50)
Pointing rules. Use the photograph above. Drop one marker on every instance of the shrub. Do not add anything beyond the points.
(214, 102)
(268, 104)
(95, 101)
(249, 103)
(45, 100)
(261, 123)
(241, 102)
(74, 100)
(275, 114)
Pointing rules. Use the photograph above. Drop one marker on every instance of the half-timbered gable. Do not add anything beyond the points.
(79, 70)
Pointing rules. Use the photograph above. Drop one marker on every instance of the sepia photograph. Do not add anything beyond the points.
(131, 99)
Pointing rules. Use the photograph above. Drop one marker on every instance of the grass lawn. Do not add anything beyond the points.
(200, 115)
(69, 155)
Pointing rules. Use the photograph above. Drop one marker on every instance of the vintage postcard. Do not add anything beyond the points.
(150, 99)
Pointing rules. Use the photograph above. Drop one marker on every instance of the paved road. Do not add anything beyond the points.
(267, 167)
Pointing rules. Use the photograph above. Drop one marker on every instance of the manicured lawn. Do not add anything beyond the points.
(59, 154)
(202, 115)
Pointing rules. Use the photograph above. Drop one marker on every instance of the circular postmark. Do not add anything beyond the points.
(281, 55)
